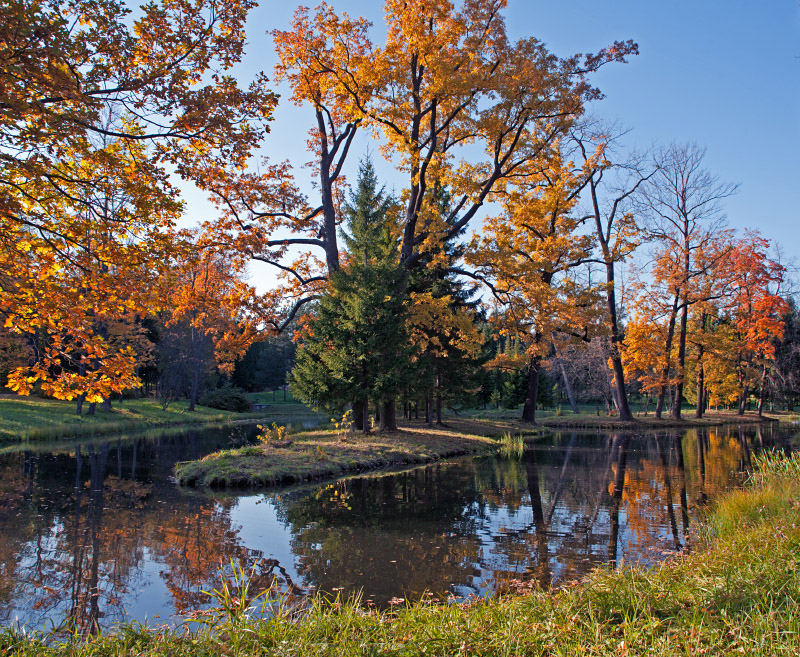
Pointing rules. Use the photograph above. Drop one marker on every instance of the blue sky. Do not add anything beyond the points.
(723, 74)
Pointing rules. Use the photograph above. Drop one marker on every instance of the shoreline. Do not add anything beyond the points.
(318, 454)
(737, 593)
(37, 420)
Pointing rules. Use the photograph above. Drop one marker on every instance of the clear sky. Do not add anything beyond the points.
(723, 74)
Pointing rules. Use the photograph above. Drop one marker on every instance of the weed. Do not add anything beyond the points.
(344, 427)
(512, 446)
(274, 434)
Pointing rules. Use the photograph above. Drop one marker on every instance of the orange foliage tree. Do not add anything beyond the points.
(527, 255)
(96, 103)
(682, 202)
(213, 300)
(453, 101)
(756, 310)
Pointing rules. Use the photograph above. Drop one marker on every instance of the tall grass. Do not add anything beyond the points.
(512, 446)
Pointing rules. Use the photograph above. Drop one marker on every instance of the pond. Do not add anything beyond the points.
(97, 532)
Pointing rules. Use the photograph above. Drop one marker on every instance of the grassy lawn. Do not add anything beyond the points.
(34, 418)
(738, 593)
(321, 453)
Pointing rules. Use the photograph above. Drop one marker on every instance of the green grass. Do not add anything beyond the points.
(320, 453)
(31, 418)
(738, 594)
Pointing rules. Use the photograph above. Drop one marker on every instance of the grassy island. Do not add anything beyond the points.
(738, 593)
(323, 453)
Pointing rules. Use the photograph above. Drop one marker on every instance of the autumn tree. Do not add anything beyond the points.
(757, 311)
(611, 184)
(453, 101)
(682, 204)
(212, 302)
(785, 373)
(66, 67)
(528, 255)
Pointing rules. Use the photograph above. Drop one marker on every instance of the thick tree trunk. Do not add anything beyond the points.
(529, 409)
(388, 417)
(358, 415)
(616, 339)
(743, 400)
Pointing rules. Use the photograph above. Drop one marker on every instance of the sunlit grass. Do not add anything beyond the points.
(321, 453)
(32, 418)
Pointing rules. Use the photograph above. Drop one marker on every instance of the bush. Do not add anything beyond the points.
(226, 398)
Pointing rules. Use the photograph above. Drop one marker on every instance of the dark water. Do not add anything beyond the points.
(98, 532)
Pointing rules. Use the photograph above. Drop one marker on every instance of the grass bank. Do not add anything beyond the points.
(31, 418)
(590, 418)
(737, 594)
(322, 453)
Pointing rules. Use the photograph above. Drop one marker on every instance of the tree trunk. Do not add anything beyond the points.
(701, 371)
(529, 409)
(358, 415)
(676, 410)
(438, 399)
(762, 396)
(662, 391)
(388, 417)
(567, 384)
(82, 397)
(429, 408)
(195, 371)
(611, 302)
(743, 400)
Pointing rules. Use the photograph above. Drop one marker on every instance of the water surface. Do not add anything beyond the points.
(97, 532)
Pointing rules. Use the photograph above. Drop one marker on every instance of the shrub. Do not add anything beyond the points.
(226, 398)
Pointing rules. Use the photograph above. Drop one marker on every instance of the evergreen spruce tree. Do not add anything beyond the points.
(355, 349)
(448, 367)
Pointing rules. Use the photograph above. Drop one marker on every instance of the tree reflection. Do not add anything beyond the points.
(91, 531)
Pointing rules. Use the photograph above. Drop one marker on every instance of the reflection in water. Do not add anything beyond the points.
(98, 533)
